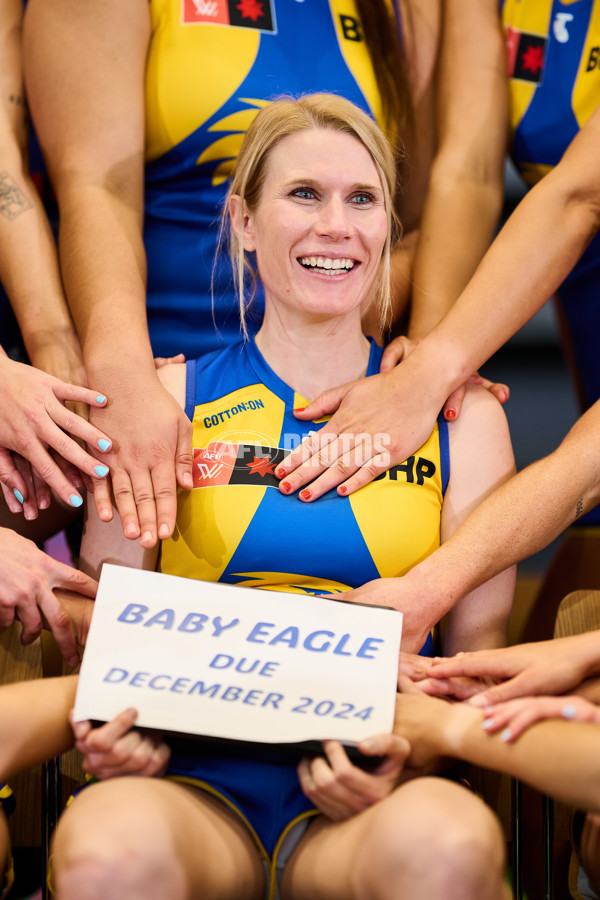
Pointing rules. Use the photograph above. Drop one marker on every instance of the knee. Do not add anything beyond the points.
(435, 839)
(119, 872)
(92, 861)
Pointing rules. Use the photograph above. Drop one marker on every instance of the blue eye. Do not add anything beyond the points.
(303, 193)
(362, 199)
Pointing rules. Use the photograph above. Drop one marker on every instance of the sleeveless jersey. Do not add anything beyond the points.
(236, 526)
(212, 65)
(554, 69)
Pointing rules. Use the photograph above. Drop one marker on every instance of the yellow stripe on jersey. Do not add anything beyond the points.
(210, 527)
(356, 54)
(585, 95)
(182, 87)
(421, 510)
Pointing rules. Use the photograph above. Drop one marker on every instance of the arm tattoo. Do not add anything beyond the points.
(579, 509)
(13, 201)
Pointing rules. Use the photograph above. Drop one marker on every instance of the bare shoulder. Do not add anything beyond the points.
(480, 409)
(480, 437)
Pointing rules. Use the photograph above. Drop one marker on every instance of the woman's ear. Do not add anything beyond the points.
(242, 222)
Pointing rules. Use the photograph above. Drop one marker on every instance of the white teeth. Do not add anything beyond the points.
(327, 263)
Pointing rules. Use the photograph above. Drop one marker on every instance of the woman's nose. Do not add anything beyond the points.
(334, 219)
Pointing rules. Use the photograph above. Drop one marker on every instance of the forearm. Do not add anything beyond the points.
(519, 518)
(94, 150)
(516, 276)
(450, 248)
(35, 722)
(29, 267)
(104, 271)
(465, 190)
(555, 757)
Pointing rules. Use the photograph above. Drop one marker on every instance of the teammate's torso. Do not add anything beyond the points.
(553, 51)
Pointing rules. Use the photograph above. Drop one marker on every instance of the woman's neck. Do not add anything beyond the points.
(313, 356)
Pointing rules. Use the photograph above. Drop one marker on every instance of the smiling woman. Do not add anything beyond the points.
(311, 216)
(310, 194)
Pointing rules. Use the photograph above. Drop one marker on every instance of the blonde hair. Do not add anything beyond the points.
(273, 123)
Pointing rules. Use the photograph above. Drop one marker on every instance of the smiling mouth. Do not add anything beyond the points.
(327, 265)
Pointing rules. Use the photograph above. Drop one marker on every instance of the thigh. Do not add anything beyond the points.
(424, 830)
(160, 826)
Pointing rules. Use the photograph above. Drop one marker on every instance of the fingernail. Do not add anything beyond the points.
(285, 486)
(450, 414)
(103, 444)
(75, 500)
(343, 490)
(131, 530)
(163, 532)
(306, 495)
(18, 495)
(100, 398)
(487, 723)
(506, 735)
(147, 537)
(368, 744)
(479, 700)
(568, 711)
(279, 473)
(44, 503)
(101, 471)
(299, 409)
(188, 480)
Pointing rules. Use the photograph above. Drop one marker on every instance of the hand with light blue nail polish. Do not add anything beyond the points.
(34, 419)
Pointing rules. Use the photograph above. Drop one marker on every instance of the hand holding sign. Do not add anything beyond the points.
(118, 749)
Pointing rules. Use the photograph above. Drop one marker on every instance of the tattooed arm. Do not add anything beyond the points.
(28, 260)
(33, 414)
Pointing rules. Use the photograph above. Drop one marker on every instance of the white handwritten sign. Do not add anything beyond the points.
(238, 663)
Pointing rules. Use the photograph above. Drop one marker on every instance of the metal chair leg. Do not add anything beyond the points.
(51, 796)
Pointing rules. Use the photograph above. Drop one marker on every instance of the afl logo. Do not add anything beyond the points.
(256, 14)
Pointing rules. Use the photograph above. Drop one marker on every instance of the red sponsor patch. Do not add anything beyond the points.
(214, 11)
(256, 14)
(214, 464)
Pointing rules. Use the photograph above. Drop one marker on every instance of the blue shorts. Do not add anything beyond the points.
(263, 790)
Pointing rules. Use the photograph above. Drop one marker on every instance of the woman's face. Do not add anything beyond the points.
(320, 226)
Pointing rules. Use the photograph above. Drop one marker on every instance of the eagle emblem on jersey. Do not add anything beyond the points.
(257, 14)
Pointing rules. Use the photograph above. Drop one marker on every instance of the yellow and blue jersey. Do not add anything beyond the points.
(211, 67)
(553, 51)
(236, 526)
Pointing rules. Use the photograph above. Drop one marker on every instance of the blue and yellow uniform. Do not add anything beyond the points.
(554, 69)
(212, 65)
(7, 804)
(236, 526)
